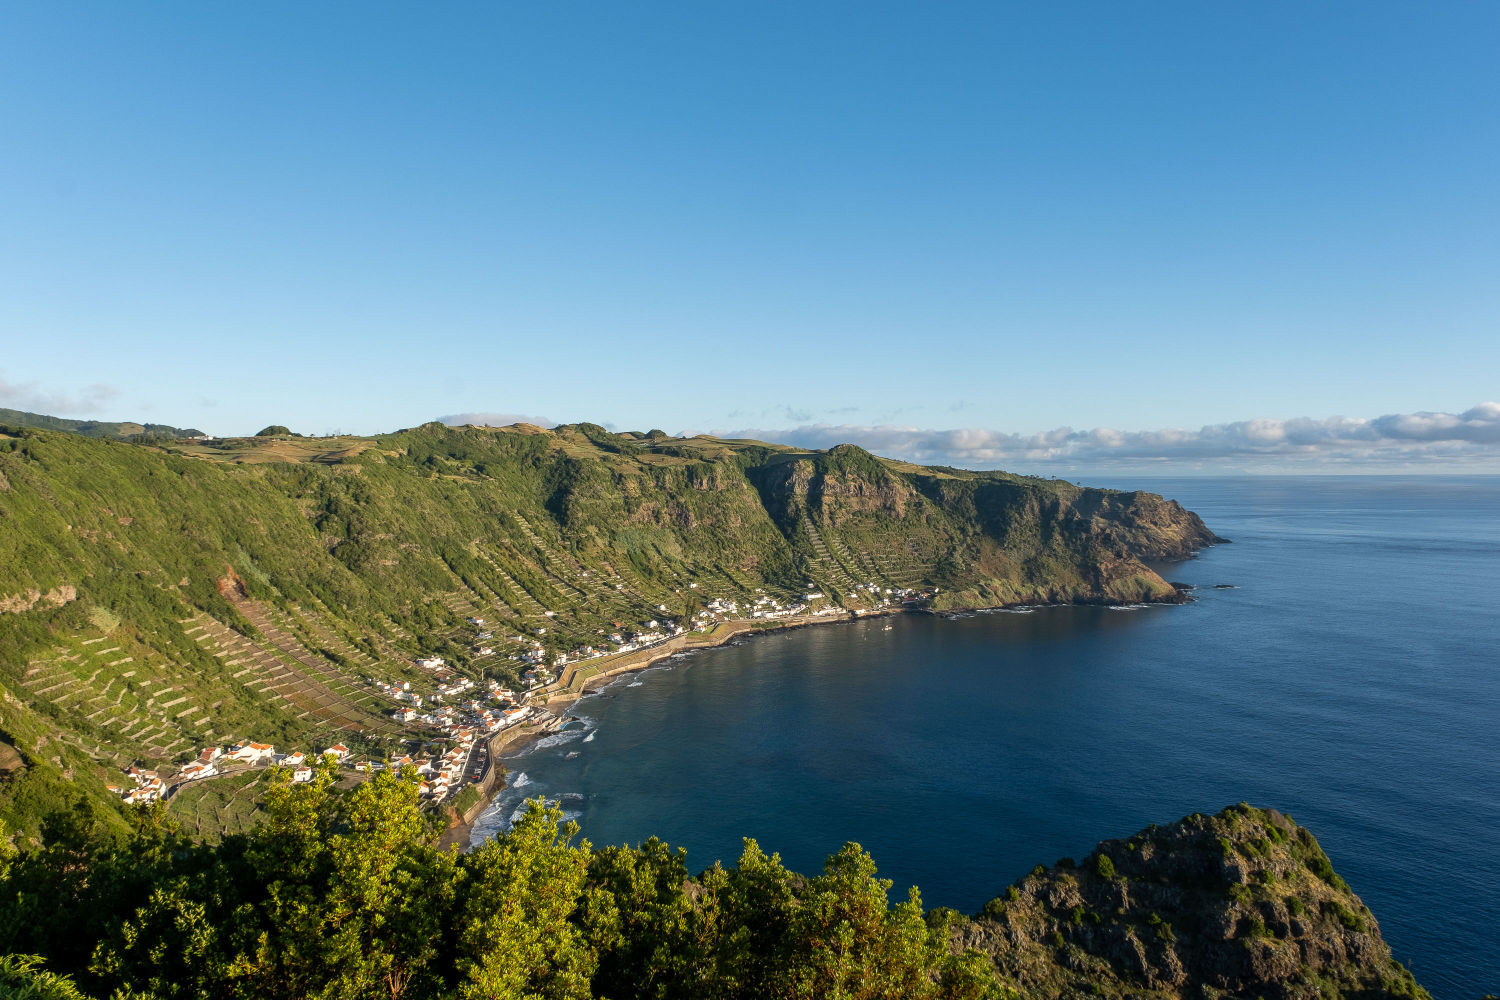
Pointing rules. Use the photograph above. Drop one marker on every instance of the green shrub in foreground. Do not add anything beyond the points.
(345, 895)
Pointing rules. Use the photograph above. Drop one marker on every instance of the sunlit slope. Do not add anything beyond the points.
(156, 598)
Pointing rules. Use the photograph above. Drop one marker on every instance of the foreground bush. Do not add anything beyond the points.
(345, 896)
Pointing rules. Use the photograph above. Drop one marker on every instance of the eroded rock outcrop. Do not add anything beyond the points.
(1242, 904)
(28, 599)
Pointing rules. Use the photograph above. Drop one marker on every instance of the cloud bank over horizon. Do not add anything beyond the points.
(32, 398)
(1421, 441)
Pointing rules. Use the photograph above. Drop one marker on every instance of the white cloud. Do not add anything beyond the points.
(495, 419)
(1468, 440)
(29, 396)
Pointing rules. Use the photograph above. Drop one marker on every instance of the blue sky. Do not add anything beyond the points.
(753, 217)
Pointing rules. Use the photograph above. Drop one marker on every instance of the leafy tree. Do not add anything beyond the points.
(847, 943)
(22, 979)
(522, 935)
(383, 908)
(970, 976)
(652, 938)
(750, 911)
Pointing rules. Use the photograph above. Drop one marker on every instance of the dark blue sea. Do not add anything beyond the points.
(1351, 679)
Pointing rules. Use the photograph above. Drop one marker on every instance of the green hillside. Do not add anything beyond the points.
(126, 430)
(154, 597)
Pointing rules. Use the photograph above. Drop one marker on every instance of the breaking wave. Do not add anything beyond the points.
(511, 804)
(558, 739)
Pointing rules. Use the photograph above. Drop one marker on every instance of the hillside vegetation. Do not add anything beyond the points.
(344, 896)
(157, 597)
(123, 430)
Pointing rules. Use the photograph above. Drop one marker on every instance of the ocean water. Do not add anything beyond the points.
(1352, 679)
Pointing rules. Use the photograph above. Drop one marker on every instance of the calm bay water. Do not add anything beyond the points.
(1352, 680)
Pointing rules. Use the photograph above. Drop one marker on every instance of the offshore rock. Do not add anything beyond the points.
(1244, 904)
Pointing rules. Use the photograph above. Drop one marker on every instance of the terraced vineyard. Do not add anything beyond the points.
(227, 804)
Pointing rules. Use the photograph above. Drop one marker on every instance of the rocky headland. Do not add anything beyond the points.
(1241, 904)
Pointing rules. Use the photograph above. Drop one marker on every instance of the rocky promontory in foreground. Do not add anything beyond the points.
(1243, 903)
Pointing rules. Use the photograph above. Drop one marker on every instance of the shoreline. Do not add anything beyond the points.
(456, 833)
(561, 694)
(562, 689)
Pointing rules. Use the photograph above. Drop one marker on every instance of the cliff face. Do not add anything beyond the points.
(981, 539)
(1147, 525)
(1242, 904)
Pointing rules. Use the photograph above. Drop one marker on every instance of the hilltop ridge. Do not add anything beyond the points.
(126, 430)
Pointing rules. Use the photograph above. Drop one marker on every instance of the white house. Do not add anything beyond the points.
(302, 774)
(148, 786)
(253, 752)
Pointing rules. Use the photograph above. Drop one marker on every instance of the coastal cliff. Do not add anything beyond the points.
(159, 596)
(1244, 903)
(982, 539)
